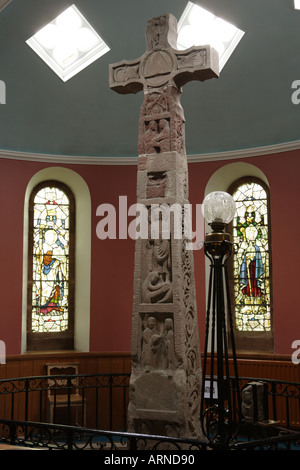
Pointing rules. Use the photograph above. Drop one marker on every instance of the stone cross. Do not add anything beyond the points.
(161, 72)
(165, 383)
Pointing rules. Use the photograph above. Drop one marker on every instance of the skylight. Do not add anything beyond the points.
(198, 27)
(68, 44)
(297, 4)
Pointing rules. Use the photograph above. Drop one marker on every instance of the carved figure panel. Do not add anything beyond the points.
(126, 72)
(157, 136)
(156, 261)
(156, 184)
(155, 103)
(161, 32)
(157, 285)
(155, 290)
(157, 341)
(161, 127)
(192, 59)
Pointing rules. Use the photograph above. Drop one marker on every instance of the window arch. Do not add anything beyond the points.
(51, 267)
(251, 265)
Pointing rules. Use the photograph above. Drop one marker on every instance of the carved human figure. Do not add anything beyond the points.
(160, 261)
(157, 352)
(158, 348)
(169, 343)
(154, 290)
(157, 286)
(157, 137)
(151, 136)
(150, 330)
(164, 135)
(157, 32)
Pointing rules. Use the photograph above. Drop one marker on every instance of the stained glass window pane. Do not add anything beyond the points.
(251, 259)
(50, 288)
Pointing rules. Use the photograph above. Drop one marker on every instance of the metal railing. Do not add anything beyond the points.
(105, 396)
(60, 437)
(282, 401)
(24, 419)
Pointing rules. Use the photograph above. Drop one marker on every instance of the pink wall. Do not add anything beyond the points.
(113, 260)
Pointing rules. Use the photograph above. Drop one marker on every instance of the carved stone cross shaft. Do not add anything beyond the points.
(165, 382)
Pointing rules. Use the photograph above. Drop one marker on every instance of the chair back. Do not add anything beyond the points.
(65, 384)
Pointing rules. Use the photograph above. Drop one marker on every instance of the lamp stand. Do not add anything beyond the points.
(220, 400)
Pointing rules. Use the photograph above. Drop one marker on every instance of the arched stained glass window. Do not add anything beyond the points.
(252, 264)
(51, 268)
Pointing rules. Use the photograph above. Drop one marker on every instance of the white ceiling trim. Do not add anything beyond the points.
(246, 153)
(206, 157)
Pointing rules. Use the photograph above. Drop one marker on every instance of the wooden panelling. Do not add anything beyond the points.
(33, 364)
(277, 368)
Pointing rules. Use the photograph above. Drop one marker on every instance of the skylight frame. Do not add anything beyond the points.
(297, 4)
(229, 46)
(46, 54)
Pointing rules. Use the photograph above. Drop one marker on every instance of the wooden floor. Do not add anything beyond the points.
(9, 447)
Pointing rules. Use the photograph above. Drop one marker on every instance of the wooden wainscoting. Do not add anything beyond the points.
(268, 367)
(30, 364)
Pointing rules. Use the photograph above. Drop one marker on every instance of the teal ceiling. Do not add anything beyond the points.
(248, 106)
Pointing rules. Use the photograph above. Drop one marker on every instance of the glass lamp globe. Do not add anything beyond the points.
(218, 207)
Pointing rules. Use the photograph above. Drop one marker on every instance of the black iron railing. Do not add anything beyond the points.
(103, 402)
(286, 440)
(24, 405)
(282, 401)
(59, 437)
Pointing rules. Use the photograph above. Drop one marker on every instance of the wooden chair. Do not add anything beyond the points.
(64, 392)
